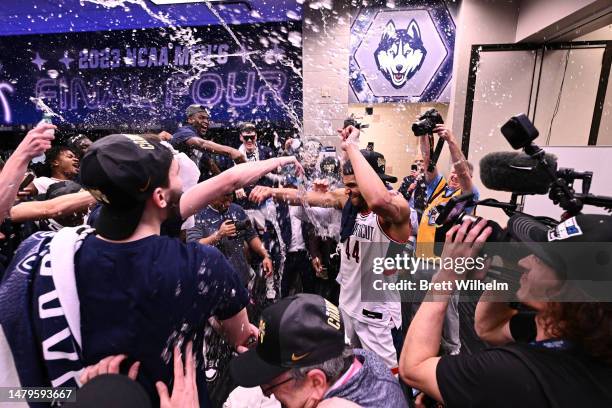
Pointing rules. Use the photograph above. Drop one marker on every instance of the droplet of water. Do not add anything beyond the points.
(293, 15)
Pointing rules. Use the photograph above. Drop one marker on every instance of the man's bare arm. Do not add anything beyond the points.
(37, 141)
(425, 152)
(387, 204)
(56, 207)
(458, 159)
(217, 148)
(330, 199)
(492, 322)
(230, 180)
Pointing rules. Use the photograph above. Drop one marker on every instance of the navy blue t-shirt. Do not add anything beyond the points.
(136, 297)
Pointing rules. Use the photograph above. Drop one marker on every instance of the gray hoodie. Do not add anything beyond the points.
(372, 386)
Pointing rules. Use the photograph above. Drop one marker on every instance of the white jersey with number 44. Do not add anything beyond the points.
(360, 296)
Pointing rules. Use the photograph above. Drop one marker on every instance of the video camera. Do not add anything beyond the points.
(535, 172)
(531, 172)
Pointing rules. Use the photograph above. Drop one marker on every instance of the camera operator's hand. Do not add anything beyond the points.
(445, 133)
(260, 194)
(227, 229)
(267, 266)
(465, 241)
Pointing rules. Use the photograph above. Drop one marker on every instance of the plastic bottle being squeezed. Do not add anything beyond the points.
(47, 118)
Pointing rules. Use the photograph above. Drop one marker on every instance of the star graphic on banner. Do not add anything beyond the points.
(66, 60)
(244, 53)
(274, 55)
(39, 62)
(278, 52)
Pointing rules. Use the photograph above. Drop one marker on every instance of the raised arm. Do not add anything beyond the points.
(217, 148)
(425, 152)
(230, 180)
(39, 210)
(492, 322)
(34, 144)
(387, 204)
(460, 164)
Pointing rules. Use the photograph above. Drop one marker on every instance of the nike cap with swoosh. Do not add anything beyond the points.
(298, 331)
(121, 171)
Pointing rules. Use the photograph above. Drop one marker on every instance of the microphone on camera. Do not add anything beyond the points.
(516, 172)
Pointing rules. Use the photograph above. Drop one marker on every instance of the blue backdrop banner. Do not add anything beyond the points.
(143, 79)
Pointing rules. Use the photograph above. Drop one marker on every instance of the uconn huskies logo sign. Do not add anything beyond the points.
(402, 54)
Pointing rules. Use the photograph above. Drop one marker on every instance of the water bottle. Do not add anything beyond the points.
(45, 119)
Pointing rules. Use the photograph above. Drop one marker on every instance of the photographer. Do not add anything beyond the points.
(568, 364)
(225, 225)
(439, 189)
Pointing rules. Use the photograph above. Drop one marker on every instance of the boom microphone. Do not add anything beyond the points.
(516, 172)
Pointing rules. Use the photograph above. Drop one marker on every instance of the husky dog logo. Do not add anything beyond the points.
(400, 53)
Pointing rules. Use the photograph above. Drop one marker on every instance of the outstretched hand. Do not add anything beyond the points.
(185, 389)
(299, 170)
(108, 365)
(260, 194)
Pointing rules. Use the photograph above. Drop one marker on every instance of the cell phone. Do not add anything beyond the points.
(26, 181)
(414, 167)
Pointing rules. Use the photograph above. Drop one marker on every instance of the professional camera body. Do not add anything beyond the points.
(427, 122)
(353, 121)
(241, 226)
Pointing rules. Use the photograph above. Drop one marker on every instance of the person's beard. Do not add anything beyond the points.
(173, 211)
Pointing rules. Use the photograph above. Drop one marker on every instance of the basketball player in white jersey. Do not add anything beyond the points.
(382, 224)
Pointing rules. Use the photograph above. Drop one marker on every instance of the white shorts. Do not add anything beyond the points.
(372, 337)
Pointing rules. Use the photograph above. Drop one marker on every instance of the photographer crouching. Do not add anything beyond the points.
(567, 364)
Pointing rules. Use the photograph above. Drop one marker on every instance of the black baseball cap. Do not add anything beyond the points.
(298, 331)
(579, 247)
(111, 390)
(196, 108)
(121, 171)
(378, 163)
